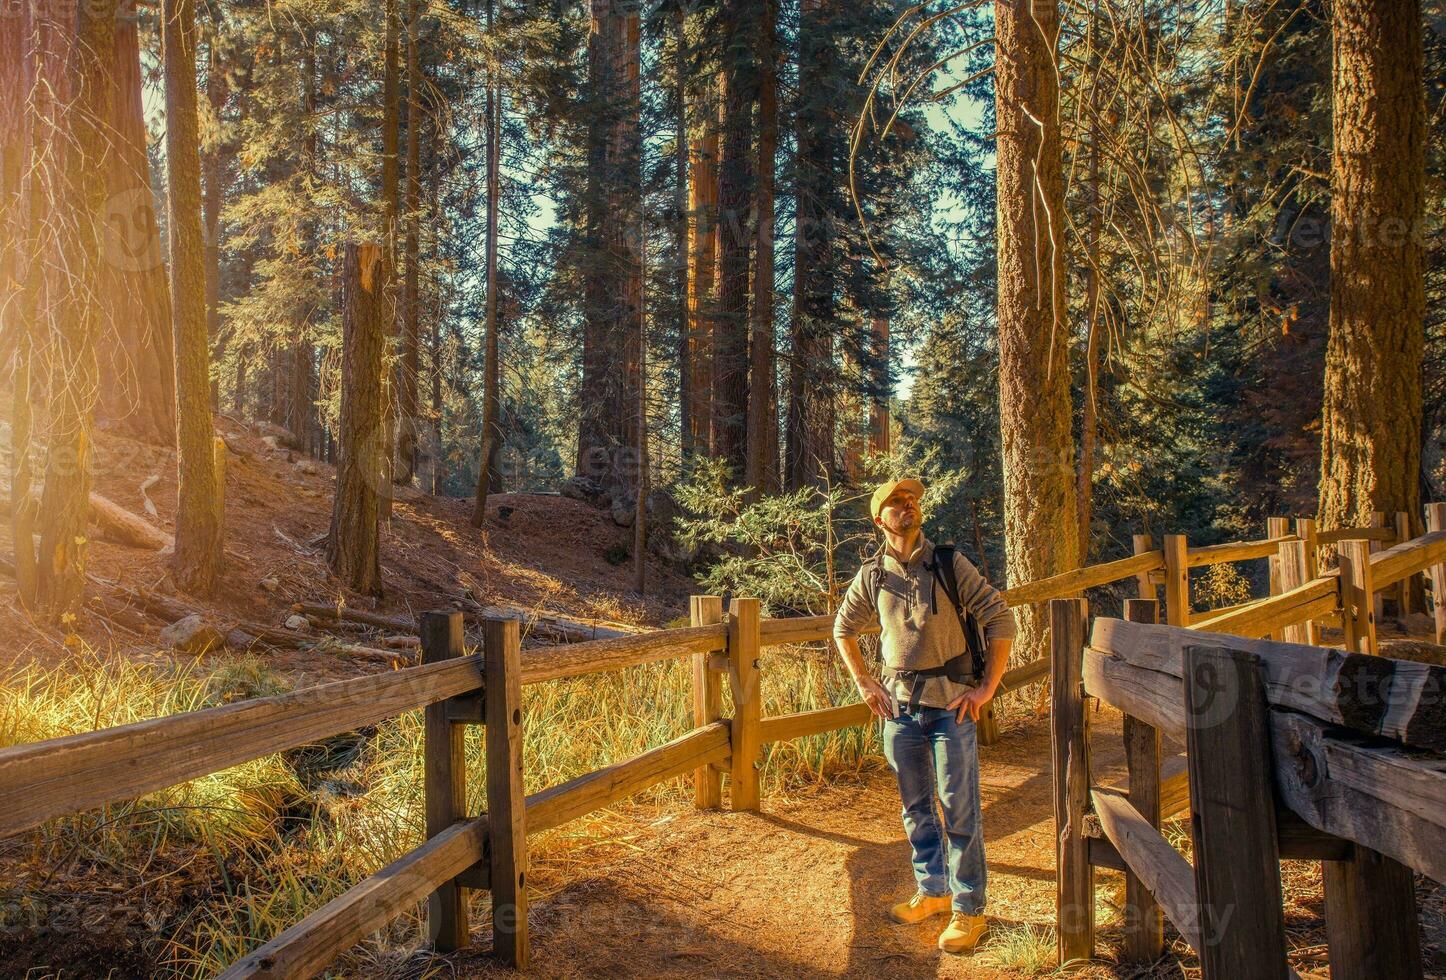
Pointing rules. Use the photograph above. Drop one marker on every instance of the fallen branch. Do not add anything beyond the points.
(118, 525)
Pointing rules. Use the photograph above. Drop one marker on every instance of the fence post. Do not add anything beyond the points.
(1403, 588)
(1140, 544)
(1370, 916)
(506, 807)
(1378, 599)
(1305, 529)
(1276, 527)
(1237, 853)
(1069, 744)
(1177, 580)
(1436, 521)
(444, 781)
(1358, 611)
(743, 678)
(1292, 561)
(706, 610)
(1144, 925)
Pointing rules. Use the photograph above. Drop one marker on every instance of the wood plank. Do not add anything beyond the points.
(59, 776)
(1436, 521)
(306, 948)
(1264, 616)
(1358, 594)
(1371, 925)
(745, 682)
(1144, 927)
(1291, 570)
(506, 799)
(1075, 581)
(781, 728)
(706, 610)
(1333, 788)
(1399, 699)
(1237, 857)
(1404, 587)
(1142, 544)
(1177, 580)
(444, 782)
(1346, 533)
(577, 659)
(1217, 554)
(1069, 745)
(1174, 787)
(1401, 561)
(1150, 695)
(798, 629)
(580, 796)
(1277, 529)
(1162, 869)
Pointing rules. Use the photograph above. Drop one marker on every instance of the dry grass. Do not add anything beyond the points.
(223, 863)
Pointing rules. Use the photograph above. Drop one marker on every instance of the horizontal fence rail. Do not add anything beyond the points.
(45, 780)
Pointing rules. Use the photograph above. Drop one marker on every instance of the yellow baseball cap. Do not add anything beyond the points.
(886, 490)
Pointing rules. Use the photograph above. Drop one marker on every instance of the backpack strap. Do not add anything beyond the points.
(943, 567)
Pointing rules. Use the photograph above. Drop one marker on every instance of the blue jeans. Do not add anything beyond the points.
(931, 752)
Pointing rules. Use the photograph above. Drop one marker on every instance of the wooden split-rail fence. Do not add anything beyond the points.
(479, 840)
(1291, 750)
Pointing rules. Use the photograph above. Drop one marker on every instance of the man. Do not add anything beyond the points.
(929, 702)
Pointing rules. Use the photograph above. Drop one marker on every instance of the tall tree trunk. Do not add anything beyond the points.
(684, 267)
(1040, 524)
(18, 264)
(607, 426)
(811, 371)
(135, 344)
(1371, 419)
(702, 276)
(1089, 422)
(353, 547)
(487, 476)
(407, 448)
(214, 189)
(199, 521)
(79, 53)
(391, 130)
(735, 199)
(762, 392)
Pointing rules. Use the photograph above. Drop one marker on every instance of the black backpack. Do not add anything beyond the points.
(969, 664)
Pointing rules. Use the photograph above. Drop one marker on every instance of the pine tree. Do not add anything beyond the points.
(1371, 422)
(1040, 524)
(199, 521)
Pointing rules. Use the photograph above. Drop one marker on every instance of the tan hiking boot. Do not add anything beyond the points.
(919, 908)
(962, 933)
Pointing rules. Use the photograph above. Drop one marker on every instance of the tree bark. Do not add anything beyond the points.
(702, 275)
(607, 427)
(199, 521)
(735, 200)
(762, 436)
(213, 190)
(879, 434)
(75, 56)
(811, 373)
(487, 476)
(407, 435)
(135, 345)
(1040, 523)
(19, 146)
(353, 548)
(1371, 418)
(682, 241)
(390, 189)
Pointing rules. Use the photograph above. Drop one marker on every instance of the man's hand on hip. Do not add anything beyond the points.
(971, 703)
(876, 697)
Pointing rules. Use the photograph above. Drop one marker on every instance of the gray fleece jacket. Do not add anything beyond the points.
(919, 628)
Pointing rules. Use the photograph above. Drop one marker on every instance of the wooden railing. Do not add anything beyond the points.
(1267, 770)
(45, 780)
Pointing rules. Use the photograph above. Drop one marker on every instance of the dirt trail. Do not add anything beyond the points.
(800, 889)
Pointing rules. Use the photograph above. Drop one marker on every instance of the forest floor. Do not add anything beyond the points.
(652, 888)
